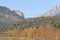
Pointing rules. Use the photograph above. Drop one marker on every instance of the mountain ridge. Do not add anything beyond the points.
(55, 11)
(9, 17)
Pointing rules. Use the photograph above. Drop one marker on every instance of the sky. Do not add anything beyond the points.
(30, 8)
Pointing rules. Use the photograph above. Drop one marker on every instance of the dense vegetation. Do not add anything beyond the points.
(37, 22)
(33, 28)
(33, 23)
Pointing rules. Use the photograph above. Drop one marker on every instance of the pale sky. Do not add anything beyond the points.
(30, 8)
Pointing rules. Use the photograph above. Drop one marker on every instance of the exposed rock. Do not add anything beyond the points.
(55, 11)
(19, 13)
(10, 17)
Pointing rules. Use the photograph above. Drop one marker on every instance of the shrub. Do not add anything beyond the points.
(57, 24)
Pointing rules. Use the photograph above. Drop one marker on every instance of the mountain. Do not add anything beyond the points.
(8, 17)
(18, 12)
(55, 11)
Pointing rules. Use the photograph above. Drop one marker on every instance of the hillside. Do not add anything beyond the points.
(14, 26)
(9, 17)
(37, 22)
(55, 11)
(14, 19)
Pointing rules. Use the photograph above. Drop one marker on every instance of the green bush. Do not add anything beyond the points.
(57, 24)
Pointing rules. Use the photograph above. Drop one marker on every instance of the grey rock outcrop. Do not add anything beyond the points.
(8, 16)
(55, 11)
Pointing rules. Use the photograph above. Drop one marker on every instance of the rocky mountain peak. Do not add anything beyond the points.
(55, 11)
(9, 16)
(18, 12)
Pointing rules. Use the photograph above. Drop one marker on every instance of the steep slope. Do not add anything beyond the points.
(8, 17)
(37, 22)
(55, 11)
(18, 12)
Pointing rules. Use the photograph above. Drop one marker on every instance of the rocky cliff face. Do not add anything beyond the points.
(19, 13)
(10, 17)
(55, 11)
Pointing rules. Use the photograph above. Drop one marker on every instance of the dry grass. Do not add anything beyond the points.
(43, 33)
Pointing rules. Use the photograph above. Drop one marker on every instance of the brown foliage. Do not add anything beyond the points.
(16, 32)
(47, 32)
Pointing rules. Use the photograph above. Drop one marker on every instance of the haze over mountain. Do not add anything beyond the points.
(55, 11)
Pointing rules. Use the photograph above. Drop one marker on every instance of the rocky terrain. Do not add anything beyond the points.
(14, 19)
(9, 17)
(55, 11)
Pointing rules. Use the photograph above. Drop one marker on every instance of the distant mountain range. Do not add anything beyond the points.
(55, 11)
